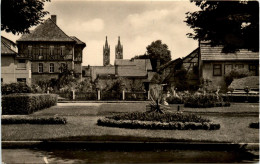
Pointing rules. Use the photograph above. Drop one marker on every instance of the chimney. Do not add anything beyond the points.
(54, 18)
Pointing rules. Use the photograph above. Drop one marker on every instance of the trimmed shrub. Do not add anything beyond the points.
(34, 120)
(174, 100)
(15, 88)
(204, 101)
(27, 103)
(254, 125)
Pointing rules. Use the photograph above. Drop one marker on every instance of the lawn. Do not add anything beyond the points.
(82, 119)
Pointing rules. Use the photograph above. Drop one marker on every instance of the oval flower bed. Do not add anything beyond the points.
(167, 121)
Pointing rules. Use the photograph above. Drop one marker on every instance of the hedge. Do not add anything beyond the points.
(27, 103)
(204, 101)
(136, 124)
(34, 120)
(174, 100)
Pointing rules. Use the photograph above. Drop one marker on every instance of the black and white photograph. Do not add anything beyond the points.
(129, 81)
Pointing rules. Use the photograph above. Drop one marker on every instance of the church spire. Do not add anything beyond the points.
(106, 54)
(119, 50)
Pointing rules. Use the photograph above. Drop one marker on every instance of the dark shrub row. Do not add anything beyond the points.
(254, 125)
(174, 100)
(156, 116)
(204, 101)
(241, 98)
(34, 120)
(27, 103)
(157, 125)
(15, 88)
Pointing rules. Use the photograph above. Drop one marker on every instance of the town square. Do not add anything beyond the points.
(129, 81)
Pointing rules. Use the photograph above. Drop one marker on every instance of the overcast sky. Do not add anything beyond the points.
(138, 23)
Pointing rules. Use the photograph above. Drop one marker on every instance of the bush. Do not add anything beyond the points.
(174, 100)
(15, 88)
(157, 125)
(155, 116)
(27, 103)
(204, 101)
(236, 74)
(254, 125)
(34, 120)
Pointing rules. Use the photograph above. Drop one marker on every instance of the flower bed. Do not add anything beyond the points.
(33, 120)
(167, 121)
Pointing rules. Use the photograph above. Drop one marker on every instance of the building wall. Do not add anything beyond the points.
(11, 69)
(72, 57)
(226, 66)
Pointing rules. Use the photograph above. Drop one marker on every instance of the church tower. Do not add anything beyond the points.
(106, 54)
(119, 50)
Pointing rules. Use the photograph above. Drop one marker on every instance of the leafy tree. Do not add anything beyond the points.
(234, 24)
(17, 16)
(156, 51)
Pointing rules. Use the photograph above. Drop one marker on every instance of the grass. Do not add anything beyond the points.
(82, 125)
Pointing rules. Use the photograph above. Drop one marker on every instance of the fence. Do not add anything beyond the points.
(103, 95)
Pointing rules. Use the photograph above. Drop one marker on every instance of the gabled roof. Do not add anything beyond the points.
(48, 31)
(78, 41)
(173, 62)
(214, 53)
(6, 50)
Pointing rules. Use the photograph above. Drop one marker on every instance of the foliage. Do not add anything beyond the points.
(156, 92)
(17, 16)
(27, 103)
(174, 100)
(34, 120)
(184, 80)
(156, 51)
(234, 24)
(15, 88)
(86, 86)
(204, 101)
(236, 74)
(158, 125)
(167, 117)
(156, 120)
(241, 98)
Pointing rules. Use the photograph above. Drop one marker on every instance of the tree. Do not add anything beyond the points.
(156, 51)
(234, 24)
(19, 15)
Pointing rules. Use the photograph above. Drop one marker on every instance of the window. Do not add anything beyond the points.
(40, 68)
(217, 70)
(62, 51)
(51, 52)
(51, 67)
(239, 66)
(253, 69)
(83, 72)
(62, 67)
(29, 50)
(21, 64)
(228, 68)
(21, 80)
(2, 80)
(40, 52)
